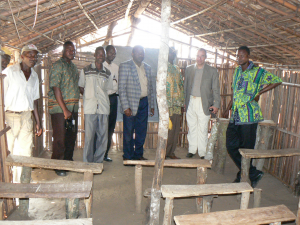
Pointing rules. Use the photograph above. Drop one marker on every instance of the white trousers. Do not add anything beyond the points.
(197, 122)
(19, 137)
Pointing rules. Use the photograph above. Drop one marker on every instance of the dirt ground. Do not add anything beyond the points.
(114, 198)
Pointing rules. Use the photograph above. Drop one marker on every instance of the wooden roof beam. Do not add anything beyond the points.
(85, 13)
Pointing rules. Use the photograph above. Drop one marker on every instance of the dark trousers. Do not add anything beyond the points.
(173, 135)
(241, 136)
(63, 140)
(133, 147)
(112, 118)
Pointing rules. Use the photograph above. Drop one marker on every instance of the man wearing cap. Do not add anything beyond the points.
(5, 59)
(21, 94)
(63, 105)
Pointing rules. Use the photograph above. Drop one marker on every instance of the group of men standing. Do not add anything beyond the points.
(103, 81)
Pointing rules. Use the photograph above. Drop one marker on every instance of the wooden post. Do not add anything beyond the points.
(298, 213)
(109, 33)
(257, 197)
(168, 211)
(24, 202)
(72, 208)
(163, 112)
(245, 169)
(212, 141)
(245, 200)
(201, 179)
(138, 187)
(89, 176)
(1, 206)
(207, 203)
(216, 57)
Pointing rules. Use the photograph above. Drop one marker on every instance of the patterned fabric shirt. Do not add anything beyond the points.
(175, 90)
(65, 76)
(246, 85)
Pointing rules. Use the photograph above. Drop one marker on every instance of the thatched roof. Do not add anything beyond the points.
(270, 27)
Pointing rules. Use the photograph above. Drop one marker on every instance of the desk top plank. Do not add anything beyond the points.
(79, 221)
(34, 162)
(46, 190)
(255, 216)
(178, 191)
(257, 153)
(188, 163)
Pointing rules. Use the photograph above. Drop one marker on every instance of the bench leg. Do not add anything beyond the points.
(201, 179)
(24, 202)
(72, 208)
(245, 200)
(168, 211)
(245, 169)
(138, 187)
(257, 197)
(207, 203)
(89, 176)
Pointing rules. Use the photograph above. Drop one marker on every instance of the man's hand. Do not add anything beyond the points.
(214, 109)
(152, 112)
(67, 114)
(128, 112)
(39, 130)
(257, 97)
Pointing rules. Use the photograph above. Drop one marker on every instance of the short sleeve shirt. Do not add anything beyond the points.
(246, 85)
(114, 69)
(65, 76)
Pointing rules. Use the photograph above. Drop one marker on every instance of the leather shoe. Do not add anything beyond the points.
(61, 173)
(107, 159)
(141, 158)
(255, 181)
(190, 155)
(173, 157)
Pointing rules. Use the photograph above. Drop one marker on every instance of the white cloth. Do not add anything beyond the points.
(197, 122)
(21, 134)
(114, 70)
(19, 94)
(143, 80)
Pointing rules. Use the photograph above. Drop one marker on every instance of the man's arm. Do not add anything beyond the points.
(39, 129)
(185, 87)
(265, 89)
(123, 74)
(61, 103)
(216, 92)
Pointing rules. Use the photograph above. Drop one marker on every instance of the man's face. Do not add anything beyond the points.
(242, 57)
(100, 56)
(5, 61)
(29, 58)
(201, 56)
(69, 52)
(111, 54)
(138, 55)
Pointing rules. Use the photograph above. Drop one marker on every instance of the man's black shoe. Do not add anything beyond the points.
(255, 181)
(141, 158)
(190, 155)
(61, 173)
(107, 159)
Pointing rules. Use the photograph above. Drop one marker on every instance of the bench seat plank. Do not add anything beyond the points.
(251, 153)
(46, 190)
(188, 163)
(77, 166)
(178, 191)
(84, 221)
(265, 215)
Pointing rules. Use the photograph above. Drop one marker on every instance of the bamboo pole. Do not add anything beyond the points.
(109, 33)
(163, 112)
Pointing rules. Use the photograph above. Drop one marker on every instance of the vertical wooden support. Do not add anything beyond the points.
(257, 197)
(89, 176)
(207, 203)
(245, 200)
(168, 211)
(72, 208)
(138, 187)
(221, 152)
(201, 179)
(212, 141)
(216, 58)
(24, 202)
(245, 169)
(1, 207)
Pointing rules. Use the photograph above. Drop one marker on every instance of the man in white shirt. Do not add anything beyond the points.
(21, 94)
(113, 96)
(94, 82)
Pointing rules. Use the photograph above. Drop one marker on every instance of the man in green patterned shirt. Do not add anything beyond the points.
(248, 84)
(63, 104)
(175, 100)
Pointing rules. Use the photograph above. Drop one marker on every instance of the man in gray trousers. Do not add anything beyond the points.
(202, 96)
(94, 81)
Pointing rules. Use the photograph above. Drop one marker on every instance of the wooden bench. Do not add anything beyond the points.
(248, 154)
(89, 169)
(208, 190)
(85, 221)
(267, 215)
(200, 164)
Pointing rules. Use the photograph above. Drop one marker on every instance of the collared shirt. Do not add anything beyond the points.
(175, 90)
(114, 69)
(19, 93)
(143, 79)
(197, 82)
(246, 85)
(64, 76)
(95, 84)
